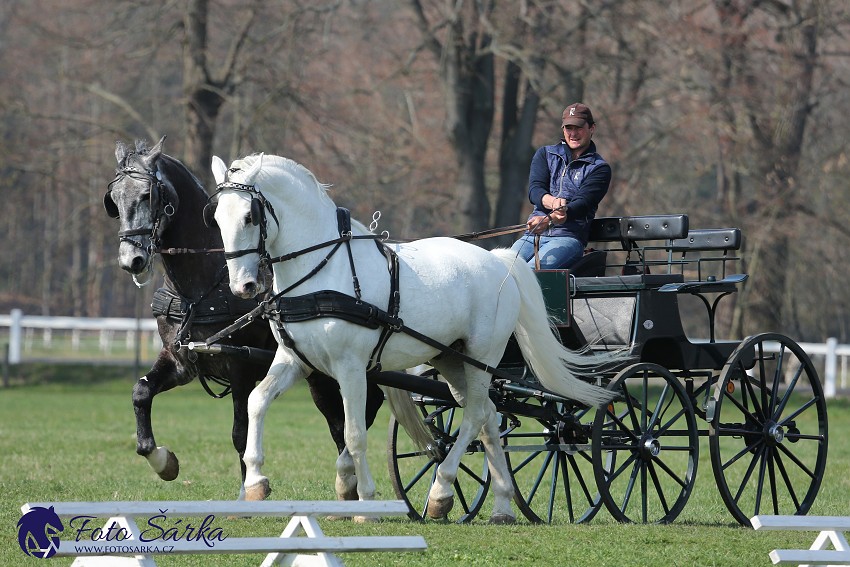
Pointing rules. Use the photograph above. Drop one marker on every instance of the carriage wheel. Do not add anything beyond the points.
(550, 463)
(768, 430)
(412, 471)
(645, 446)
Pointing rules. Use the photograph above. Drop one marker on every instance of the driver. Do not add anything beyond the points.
(566, 182)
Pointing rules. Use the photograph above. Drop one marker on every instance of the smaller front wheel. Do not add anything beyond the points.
(413, 470)
(645, 446)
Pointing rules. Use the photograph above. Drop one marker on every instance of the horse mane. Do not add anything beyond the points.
(303, 176)
(141, 149)
(288, 167)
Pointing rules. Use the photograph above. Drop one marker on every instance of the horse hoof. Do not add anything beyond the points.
(259, 491)
(365, 520)
(350, 494)
(346, 490)
(438, 509)
(502, 519)
(171, 469)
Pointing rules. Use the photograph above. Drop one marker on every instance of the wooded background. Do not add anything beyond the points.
(732, 111)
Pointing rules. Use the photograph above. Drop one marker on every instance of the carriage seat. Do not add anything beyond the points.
(635, 282)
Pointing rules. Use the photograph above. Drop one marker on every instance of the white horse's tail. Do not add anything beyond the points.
(409, 417)
(552, 363)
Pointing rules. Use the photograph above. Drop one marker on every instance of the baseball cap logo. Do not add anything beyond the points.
(573, 111)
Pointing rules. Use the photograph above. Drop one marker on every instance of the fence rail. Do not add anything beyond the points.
(104, 335)
(62, 339)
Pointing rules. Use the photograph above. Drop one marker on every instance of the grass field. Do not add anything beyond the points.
(69, 435)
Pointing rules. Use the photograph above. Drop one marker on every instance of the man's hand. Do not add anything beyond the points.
(557, 206)
(538, 224)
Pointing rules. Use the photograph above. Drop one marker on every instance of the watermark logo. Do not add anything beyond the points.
(38, 532)
(39, 528)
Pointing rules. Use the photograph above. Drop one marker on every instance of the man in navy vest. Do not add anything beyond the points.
(566, 182)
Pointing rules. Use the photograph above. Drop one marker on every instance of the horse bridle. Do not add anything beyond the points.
(259, 206)
(160, 207)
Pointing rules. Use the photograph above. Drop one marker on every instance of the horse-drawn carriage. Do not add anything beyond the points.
(760, 398)
(633, 449)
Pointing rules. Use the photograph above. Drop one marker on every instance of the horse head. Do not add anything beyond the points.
(144, 200)
(240, 212)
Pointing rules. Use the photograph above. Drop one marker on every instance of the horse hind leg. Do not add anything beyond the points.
(500, 478)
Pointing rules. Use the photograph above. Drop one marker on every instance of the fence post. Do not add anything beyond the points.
(6, 365)
(830, 365)
(15, 337)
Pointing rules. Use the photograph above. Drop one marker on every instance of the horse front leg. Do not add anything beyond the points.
(326, 395)
(161, 378)
(353, 388)
(283, 373)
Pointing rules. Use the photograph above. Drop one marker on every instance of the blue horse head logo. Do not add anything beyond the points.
(38, 532)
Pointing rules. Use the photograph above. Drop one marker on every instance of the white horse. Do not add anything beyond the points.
(451, 291)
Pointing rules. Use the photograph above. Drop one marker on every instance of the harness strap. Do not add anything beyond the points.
(337, 305)
(393, 308)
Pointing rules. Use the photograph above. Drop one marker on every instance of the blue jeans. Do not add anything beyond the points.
(556, 252)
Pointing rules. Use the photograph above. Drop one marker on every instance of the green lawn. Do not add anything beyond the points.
(71, 437)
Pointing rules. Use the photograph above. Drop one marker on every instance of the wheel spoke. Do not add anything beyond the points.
(546, 462)
(580, 477)
(418, 476)
(796, 461)
(748, 388)
(802, 408)
(613, 475)
(749, 472)
(788, 391)
(760, 483)
(472, 474)
(777, 378)
(658, 411)
(772, 477)
(658, 488)
(671, 421)
(739, 454)
(631, 410)
(763, 381)
(670, 473)
(781, 466)
(630, 485)
(550, 509)
(744, 410)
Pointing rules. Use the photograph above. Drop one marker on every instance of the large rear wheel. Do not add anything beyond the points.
(768, 429)
(646, 446)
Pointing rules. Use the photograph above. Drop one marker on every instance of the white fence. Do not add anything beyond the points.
(28, 337)
(24, 331)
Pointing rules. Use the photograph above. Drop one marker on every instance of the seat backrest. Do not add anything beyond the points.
(592, 264)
